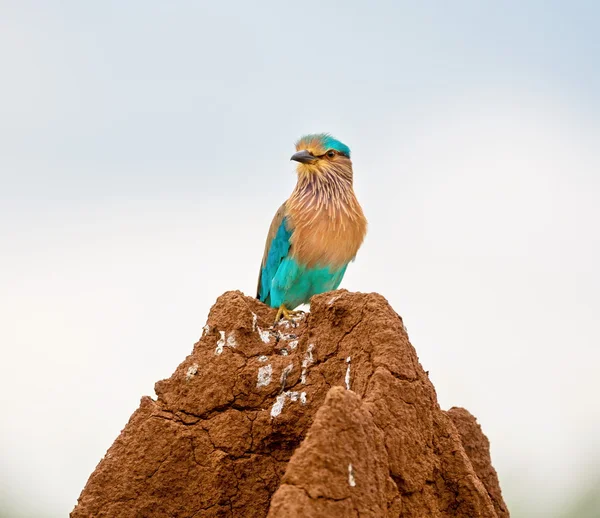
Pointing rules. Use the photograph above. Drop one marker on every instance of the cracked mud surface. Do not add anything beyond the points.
(259, 422)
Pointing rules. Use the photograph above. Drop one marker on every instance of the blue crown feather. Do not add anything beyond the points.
(328, 142)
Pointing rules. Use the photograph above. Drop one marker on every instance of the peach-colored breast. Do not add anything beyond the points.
(327, 236)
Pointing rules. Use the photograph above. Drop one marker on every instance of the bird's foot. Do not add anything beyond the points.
(287, 314)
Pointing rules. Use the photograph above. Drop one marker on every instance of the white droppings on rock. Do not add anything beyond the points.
(351, 480)
(263, 358)
(283, 352)
(264, 376)
(265, 336)
(298, 317)
(333, 299)
(191, 371)
(308, 359)
(205, 330)
(286, 336)
(280, 400)
(293, 344)
(231, 340)
(278, 405)
(347, 378)
(222, 342)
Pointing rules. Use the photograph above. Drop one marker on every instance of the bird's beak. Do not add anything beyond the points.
(304, 157)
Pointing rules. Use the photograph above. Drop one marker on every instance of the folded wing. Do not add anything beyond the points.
(276, 250)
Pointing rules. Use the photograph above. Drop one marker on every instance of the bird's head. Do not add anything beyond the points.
(320, 154)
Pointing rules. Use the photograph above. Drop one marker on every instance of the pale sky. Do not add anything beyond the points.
(144, 148)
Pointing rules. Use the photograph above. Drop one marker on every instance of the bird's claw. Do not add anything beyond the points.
(286, 314)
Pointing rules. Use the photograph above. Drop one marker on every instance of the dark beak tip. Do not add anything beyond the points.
(304, 157)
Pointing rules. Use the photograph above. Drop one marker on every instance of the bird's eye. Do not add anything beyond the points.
(330, 154)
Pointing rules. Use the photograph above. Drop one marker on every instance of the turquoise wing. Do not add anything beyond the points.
(276, 250)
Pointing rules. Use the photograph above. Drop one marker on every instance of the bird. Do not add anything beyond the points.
(316, 232)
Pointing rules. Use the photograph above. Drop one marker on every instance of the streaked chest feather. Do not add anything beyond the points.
(327, 233)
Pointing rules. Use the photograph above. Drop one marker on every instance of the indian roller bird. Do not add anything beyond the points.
(316, 232)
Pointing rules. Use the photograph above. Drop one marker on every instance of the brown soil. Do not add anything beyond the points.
(258, 422)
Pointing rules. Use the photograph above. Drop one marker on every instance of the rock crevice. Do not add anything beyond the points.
(329, 415)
